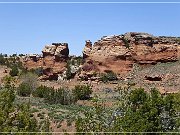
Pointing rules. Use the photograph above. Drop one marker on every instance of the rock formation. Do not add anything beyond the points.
(33, 61)
(119, 53)
(53, 60)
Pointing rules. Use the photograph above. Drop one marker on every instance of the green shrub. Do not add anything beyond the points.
(79, 60)
(109, 76)
(16, 117)
(21, 55)
(55, 96)
(126, 43)
(94, 119)
(103, 77)
(30, 79)
(2, 59)
(41, 91)
(24, 90)
(82, 92)
(14, 55)
(14, 71)
(137, 111)
(37, 71)
(60, 96)
(178, 39)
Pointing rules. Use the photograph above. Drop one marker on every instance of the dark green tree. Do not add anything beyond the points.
(30, 79)
(14, 71)
(95, 119)
(137, 111)
(82, 92)
(13, 117)
(59, 96)
(148, 113)
(24, 90)
(41, 91)
(108, 76)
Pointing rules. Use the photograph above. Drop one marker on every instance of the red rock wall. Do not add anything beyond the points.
(119, 53)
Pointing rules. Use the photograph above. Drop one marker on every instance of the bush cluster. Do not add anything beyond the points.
(55, 96)
(82, 92)
(41, 91)
(24, 90)
(60, 96)
(17, 117)
(109, 76)
(14, 71)
(137, 111)
(12, 62)
(126, 43)
(63, 95)
(68, 71)
(79, 60)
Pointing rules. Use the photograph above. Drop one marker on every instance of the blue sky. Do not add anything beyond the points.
(26, 28)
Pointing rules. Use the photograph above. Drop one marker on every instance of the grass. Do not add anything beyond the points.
(56, 112)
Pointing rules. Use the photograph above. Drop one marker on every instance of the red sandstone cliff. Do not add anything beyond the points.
(53, 60)
(116, 53)
(119, 53)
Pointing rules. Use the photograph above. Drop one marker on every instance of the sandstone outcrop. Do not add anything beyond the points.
(59, 50)
(53, 60)
(116, 52)
(33, 61)
(119, 53)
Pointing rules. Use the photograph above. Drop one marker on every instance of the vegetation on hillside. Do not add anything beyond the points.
(82, 92)
(137, 111)
(16, 117)
(108, 76)
(13, 62)
(14, 71)
(29, 107)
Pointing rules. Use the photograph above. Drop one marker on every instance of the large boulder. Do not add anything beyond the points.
(60, 50)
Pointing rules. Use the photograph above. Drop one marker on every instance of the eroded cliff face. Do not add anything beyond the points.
(53, 60)
(55, 56)
(119, 53)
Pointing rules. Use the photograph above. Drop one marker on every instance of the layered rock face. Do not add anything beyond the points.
(55, 56)
(32, 61)
(59, 50)
(119, 53)
(53, 59)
